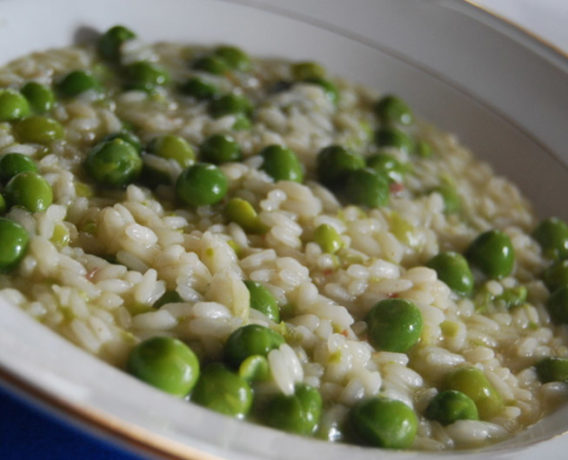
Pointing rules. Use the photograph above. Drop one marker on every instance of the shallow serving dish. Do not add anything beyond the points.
(504, 94)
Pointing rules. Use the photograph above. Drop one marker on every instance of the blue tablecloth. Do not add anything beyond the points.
(28, 433)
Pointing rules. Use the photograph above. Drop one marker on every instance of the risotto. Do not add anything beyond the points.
(278, 245)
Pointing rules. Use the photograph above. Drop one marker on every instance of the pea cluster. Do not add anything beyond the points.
(228, 386)
(222, 61)
(113, 162)
(466, 394)
(370, 180)
(493, 255)
(552, 236)
(120, 159)
(313, 74)
(21, 183)
(360, 181)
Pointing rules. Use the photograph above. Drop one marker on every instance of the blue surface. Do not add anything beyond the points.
(29, 433)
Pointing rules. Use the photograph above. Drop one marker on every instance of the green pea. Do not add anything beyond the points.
(220, 148)
(230, 104)
(223, 391)
(145, 76)
(305, 70)
(235, 57)
(452, 200)
(199, 89)
(254, 369)
(555, 276)
(201, 184)
(298, 413)
(252, 339)
(126, 136)
(241, 123)
(393, 137)
(328, 87)
(77, 82)
(15, 163)
(557, 305)
(14, 245)
(110, 42)
(423, 149)
(13, 105)
(552, 370)
(261, 299)
(328, 238)
(165, 363)
(493, 253)
(106, 75)
(242, 212)
(281, 163)
(211, 64)
(388, 166)
(392, 109)
(40, 97)
(367, 187)
(334, 162)
(38, 130)
(29, 190)
(2, 204)
(450, 406)
(114, 163)
(173, 147)
(513, 297)
(167, 297)
(383, 422)
(394, 325)
(452, 268)
(474, 383)
(552, 235)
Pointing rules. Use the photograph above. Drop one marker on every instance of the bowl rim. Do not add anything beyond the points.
(142, 440)
(546, 44)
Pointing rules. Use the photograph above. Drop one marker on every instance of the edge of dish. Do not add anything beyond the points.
(520, 28)
(142, 440)
(137, 438)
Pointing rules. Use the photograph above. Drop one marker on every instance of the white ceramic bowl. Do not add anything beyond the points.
(504, 93)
